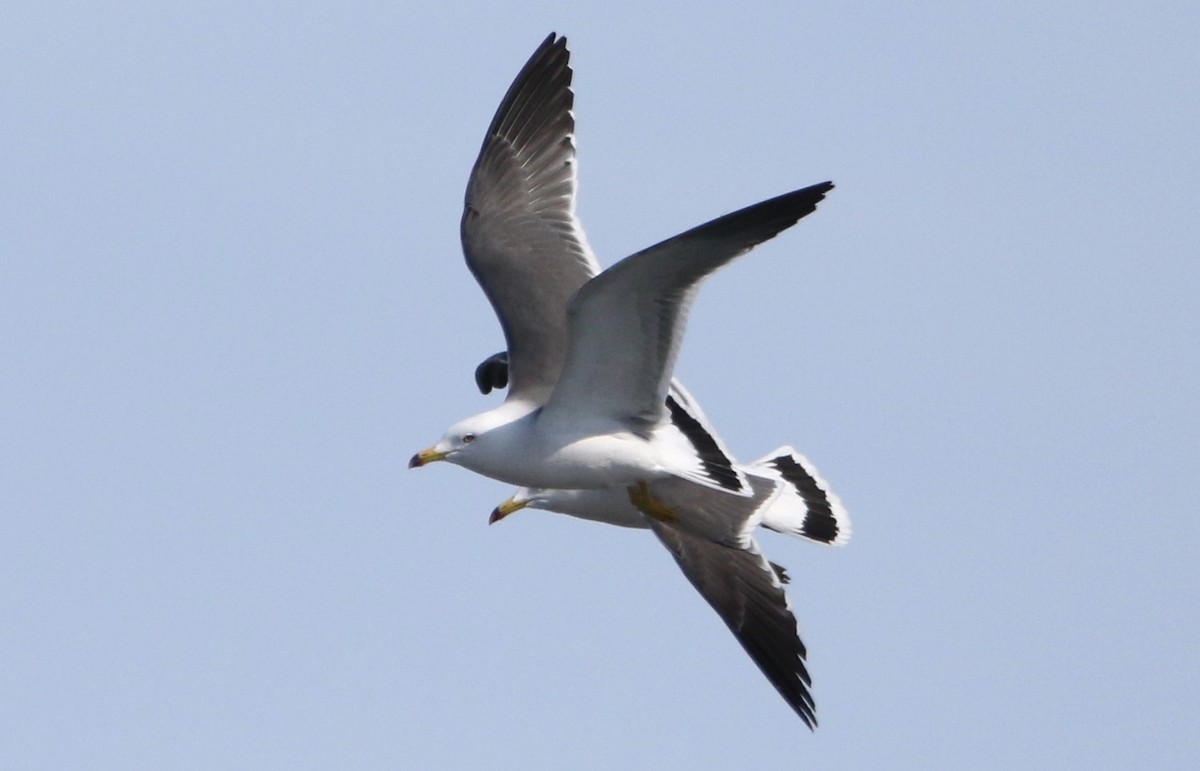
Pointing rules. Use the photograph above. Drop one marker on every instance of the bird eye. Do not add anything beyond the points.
(468, 438)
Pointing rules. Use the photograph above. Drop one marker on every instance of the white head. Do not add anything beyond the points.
(534, 497)
(477, 442)
(610, 506)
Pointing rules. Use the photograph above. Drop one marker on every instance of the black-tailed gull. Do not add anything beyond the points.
(590, 356)
(738, 583)
(586, 408)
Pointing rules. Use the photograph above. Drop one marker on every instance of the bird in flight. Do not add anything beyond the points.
(593, 424)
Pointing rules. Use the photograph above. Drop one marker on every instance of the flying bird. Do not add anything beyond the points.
(593, 423)
(739, 583)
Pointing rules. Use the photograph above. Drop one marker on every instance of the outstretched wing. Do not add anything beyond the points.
(627, 323)
(746, 592)
(519, 232)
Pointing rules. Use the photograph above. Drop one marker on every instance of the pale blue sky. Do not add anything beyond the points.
(232, 304)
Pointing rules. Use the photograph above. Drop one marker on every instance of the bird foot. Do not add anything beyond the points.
(641, 497)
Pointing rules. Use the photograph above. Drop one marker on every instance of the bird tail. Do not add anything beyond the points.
(805, 506)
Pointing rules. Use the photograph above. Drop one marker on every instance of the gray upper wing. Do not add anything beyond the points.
(519, 232)
(746, 592)
(627, 323)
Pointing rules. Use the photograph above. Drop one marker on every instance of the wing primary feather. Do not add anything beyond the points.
(717, 464)
(520, 236)
(644, 298)
(744, 590)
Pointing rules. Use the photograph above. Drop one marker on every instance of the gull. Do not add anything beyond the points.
(590, 356)
(805, 506)
(744, 588)
(586, 408)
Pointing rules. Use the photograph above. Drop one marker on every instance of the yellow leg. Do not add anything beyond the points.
(640, 496)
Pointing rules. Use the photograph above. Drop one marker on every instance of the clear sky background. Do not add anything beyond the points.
(233, 304)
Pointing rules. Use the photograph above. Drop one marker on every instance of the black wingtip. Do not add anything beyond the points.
(783, 211)
(547, 70)
(492, 372)
(750, 226)
(813, 194)
(736, 584)
(551, 41)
